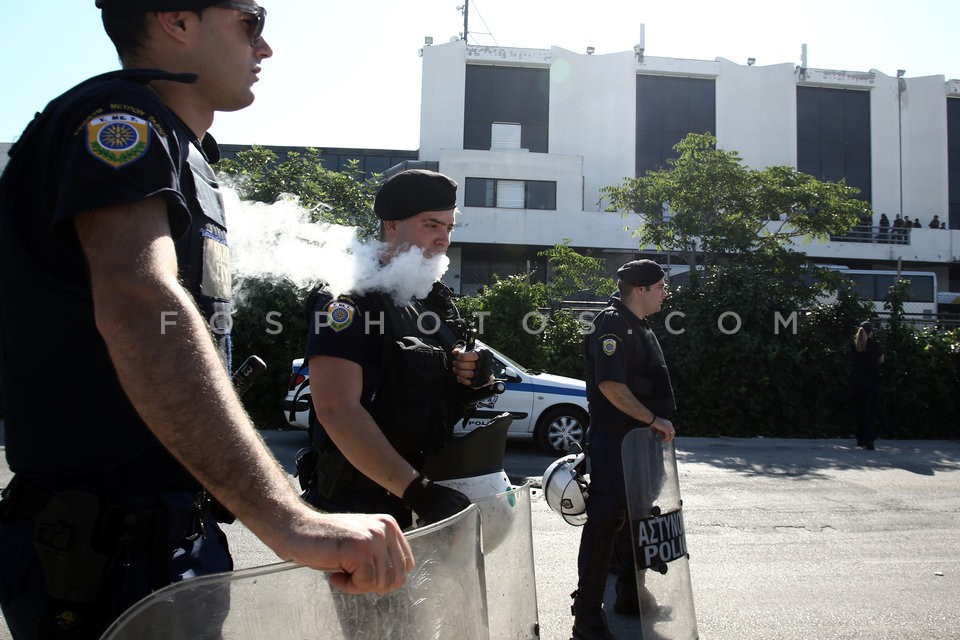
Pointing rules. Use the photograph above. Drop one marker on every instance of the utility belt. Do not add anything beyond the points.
(79, 536)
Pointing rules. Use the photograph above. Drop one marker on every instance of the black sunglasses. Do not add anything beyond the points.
(258, 15)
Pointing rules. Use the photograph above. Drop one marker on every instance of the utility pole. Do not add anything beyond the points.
(466, 11)
(901, 87)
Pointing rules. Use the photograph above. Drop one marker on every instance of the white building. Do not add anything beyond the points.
(532, 135)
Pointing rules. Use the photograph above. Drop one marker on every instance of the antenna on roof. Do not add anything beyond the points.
(638, 48)
(466, 18)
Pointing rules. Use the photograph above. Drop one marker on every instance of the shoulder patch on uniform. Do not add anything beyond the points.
(609, 346)
(340, 314)
(118, 138)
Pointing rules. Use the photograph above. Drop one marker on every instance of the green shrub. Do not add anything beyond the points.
(269, 322)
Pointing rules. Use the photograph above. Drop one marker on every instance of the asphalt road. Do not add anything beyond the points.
(789, 539)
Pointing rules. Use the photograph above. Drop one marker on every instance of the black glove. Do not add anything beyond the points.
(433, 502)
(483, 372)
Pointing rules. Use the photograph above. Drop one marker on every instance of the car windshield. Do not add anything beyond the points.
(507, 361)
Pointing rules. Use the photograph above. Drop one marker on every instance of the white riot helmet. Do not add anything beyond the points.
(566, 489)
(473, 465)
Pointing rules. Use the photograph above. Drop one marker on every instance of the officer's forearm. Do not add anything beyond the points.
(623, 399)
(172, 373)
(336, 385)
(363, 444)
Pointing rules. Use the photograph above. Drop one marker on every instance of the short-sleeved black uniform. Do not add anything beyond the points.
(69, 424)
(408, 385)
(621, 348)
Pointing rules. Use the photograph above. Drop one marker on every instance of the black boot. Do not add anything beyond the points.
(589, 621)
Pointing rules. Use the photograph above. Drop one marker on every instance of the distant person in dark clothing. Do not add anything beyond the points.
(884, 227)
(867, 358)
(935, 223)
(898, 229)
(916, 223)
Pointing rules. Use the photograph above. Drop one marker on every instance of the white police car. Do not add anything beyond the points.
(550, 409)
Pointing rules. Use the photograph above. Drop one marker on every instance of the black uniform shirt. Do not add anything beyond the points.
(348, 327)
(404, 351)
(622, 348)
(106, 142)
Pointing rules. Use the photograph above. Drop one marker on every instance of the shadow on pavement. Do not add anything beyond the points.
(812, 458)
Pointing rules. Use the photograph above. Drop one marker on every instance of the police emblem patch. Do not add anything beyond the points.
(118, 138)
(609, 346)
(340, 315)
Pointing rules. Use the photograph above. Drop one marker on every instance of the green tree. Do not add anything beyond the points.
(920, 394)
(269, 322)
(708, 206)
(574, 273)
(339, 197)
(524, 319)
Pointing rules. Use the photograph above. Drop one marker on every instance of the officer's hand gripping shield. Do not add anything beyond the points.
(444, 597)
(659, 539)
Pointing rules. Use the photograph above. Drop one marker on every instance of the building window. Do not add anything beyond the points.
(512, 96)
(833, 136)
(505, 136)
(953, 162)
(667, 110)
(541, 194)
(510, 194)
(480, 192)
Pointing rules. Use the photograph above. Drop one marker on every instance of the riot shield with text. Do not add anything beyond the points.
(659, 539)
(444, 597)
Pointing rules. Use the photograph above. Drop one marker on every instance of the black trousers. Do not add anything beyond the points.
(183, 547)
(606, 516)
(866, 407)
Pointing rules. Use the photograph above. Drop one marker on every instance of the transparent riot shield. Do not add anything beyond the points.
(659, 539)
(444, 598)
(508, 564)
(473, 464)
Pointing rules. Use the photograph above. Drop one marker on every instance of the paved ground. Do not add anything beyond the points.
(789, 539)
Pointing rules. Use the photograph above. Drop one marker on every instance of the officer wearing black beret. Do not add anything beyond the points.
(390, 378)
(628, 387)
(412, 191)
(115, 278)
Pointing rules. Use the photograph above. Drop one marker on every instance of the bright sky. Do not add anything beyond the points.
(346, 73)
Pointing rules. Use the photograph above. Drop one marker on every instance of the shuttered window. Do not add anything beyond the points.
(510, 194)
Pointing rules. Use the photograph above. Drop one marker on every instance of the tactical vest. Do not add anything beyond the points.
(204, 255)
(411, 393)
(414, 397)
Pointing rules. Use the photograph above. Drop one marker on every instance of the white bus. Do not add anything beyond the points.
(869, 284)
(873, 284)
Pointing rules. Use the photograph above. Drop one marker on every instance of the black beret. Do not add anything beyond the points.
(641, 273)
(866, 326)
(414, 191)
(156, 5)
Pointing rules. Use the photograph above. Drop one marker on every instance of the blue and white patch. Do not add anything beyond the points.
(609, 346)
(340, 315)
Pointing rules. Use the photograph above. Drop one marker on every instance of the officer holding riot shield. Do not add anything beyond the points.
(115, 278)
(389, 378)
(628, 387)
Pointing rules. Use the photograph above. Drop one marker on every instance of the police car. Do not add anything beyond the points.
(549, 409)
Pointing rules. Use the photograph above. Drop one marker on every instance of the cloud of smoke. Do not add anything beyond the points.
(278, 241)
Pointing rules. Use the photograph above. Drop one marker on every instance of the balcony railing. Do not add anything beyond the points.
(876, 235)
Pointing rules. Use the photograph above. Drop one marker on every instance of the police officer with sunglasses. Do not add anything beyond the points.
(115, 277)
